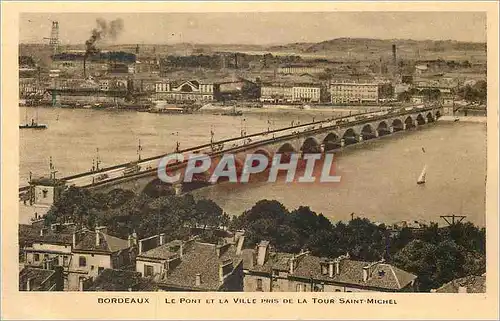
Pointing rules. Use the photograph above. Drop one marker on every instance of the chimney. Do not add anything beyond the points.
(74, 239)
(239, 247)
(80, 284)
(28, 284)
(217, 250)
(337, 267)
(462, 289)
(140, 247)
(221, 273)
(42, 231)
(130, 241)
(236, 60)
(84, 66)
(292, 265)
(365, 273)
(262, 252)
(161, 238)
(330, 268)
(198, 279)
(181, 250)
(394, 58)
(97, 238)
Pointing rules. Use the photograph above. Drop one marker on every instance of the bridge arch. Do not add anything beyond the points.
(430, 117)
(368, 132)
(383, 128)
(311, 145)
(397, 125)
(331, 141)
(420, 119)
(286, 148)
(409, 123)
(350, 136)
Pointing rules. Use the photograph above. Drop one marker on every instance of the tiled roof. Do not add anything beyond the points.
(121, 280)
(38, 276)
(200, 258)
(107, 243)
(29, 234)
(473, 283)
(384, 276)
(275, 261)
(162, 252)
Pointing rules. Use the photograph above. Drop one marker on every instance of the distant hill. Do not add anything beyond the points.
(376, 45)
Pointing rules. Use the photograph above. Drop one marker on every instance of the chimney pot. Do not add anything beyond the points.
(330, 268)
(28, 284)
(365, 273)
(292, 265)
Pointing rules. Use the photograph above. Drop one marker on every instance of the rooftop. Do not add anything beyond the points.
(473, 284)
(200, 259)
(384, 276)
(29, 234)
(121, 280)
(107, 243)
(37, 277)
(162, 252)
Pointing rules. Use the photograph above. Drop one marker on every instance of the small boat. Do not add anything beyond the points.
(33, 124)
(233, 112)
(421, 178)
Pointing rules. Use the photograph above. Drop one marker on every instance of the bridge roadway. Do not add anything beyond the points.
(147, 166)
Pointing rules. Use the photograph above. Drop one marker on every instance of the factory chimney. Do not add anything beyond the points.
(394, 58)
(235, 61)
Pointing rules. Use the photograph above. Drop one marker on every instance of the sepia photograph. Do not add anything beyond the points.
(102, 104)
(253, 152)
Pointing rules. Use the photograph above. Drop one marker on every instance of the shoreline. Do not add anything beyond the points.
(464, 119)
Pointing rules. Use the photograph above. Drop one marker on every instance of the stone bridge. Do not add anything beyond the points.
(319, 137)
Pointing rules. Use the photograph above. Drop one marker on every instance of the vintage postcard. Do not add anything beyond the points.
(225, 160)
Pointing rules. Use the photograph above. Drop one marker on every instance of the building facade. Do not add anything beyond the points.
(193, 266)
(95, 251)
(267, 271)
(288, 93)
(299, 69)
(352, 92)
(186, 91)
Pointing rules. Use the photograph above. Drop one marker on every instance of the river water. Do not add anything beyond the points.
(378, 176)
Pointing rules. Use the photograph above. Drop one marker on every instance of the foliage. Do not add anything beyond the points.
(436, 254)
(475, 93)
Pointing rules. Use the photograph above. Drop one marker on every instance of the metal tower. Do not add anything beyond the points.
(54, 36)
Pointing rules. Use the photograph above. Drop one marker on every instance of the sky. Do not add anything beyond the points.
(259, 28)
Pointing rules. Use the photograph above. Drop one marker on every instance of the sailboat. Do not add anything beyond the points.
(33, 124)
(421, 178)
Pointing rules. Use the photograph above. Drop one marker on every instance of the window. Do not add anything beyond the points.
(45, 193)
(36, 257)
(259, 285)
(337, 290)
(65, 260)
(100, 269)
(45, 256)
(82, 260)
(148, 270)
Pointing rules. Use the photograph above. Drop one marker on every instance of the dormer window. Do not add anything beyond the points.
(381, 273)
(44, 192)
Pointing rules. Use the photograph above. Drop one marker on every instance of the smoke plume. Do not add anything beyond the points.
(104, 30)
